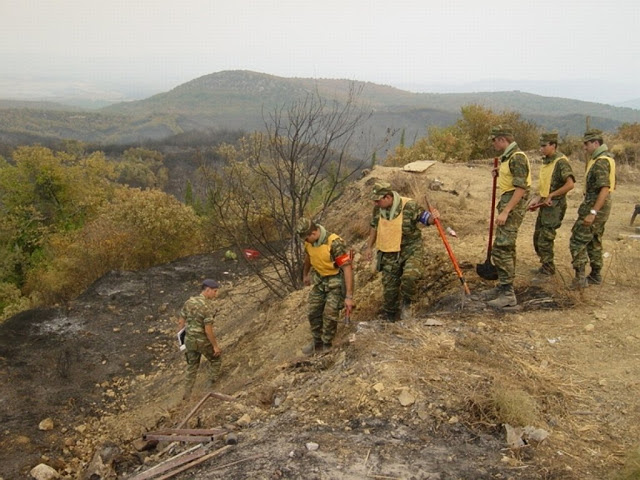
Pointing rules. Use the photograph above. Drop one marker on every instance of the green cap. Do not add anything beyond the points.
(548, 137)
(592, 134)
(500, 131)
(304, 227)
(380, 189)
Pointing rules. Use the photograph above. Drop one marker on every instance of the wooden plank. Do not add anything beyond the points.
(419, 166)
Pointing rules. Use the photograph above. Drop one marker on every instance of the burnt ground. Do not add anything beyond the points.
(420, 399)
(54, 361)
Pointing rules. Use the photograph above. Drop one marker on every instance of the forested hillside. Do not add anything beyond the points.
(244, 100)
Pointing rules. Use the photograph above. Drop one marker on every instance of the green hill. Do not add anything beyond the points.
(242, 99)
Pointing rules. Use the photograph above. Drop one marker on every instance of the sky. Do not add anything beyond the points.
(416, 45)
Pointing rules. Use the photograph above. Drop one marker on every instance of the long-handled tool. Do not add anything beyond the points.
(449, 251)
(487, 270)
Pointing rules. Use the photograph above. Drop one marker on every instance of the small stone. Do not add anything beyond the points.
(46, 425)
(312, 446)
(44, 472)
(378, 387)
(244, 421)
(481, 324)
(454, 420)
(406, 398)
(432, 322)
(589, 327)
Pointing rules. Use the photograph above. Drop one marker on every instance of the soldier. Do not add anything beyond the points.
(514, 181)
(198, 315)
(328, 262)
(556, 180)
(586, 236)
(395, 233)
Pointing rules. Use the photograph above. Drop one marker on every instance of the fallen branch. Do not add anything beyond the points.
(200, 460)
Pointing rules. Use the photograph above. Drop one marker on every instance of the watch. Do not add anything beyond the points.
(593, 212)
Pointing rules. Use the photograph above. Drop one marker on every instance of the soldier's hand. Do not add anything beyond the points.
(217, 351)
(588, 220)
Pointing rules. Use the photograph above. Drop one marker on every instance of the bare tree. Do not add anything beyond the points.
(297, 167)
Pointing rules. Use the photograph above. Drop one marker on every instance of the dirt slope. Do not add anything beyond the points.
(422, 399)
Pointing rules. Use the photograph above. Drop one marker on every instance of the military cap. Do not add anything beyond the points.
(304, 227)
(500, 131)
(208, 282)
(592, 134)
(380, 189)
(549, 137)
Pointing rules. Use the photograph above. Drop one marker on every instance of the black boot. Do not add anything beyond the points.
(594, 277)
(580, 280)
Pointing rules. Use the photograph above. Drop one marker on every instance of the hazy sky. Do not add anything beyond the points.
(162, 43)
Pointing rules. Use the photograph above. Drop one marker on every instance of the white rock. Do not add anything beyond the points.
(44, 472)
(378, 387)
(244, 420)
(589, 327)
(46, 424)
(406, 398)
(312, 446)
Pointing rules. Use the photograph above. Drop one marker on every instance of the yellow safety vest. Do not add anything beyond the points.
(505, 177)
(320, 257)
(389, 235)
(546, 172)
(612, 170)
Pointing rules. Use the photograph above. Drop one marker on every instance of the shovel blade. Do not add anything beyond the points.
(487, 271)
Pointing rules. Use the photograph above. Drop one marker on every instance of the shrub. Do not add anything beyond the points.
(138, 229)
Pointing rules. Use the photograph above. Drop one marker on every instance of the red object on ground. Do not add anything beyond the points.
(250, 254)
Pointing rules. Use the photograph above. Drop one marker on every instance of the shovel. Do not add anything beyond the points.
(487, 270)
(449, 251)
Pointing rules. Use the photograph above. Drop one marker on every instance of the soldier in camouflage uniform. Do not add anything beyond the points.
(395, 233)
(328, 262)
(586, 236)
(556, 180)
(197, 315)
(514, 181)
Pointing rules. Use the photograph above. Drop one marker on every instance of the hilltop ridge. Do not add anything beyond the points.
(241, 99)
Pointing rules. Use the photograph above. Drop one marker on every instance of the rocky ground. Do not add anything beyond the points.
(427, 398)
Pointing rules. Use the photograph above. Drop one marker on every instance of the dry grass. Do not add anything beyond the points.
(631, 469)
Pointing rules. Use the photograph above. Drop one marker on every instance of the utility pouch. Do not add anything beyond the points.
(379, 261)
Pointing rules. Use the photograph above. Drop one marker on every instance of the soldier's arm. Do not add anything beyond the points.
(208, 330)
(306, 267)
(567, 187)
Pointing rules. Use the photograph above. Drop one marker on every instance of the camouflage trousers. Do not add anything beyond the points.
(586, 242)
(548, 221)
(326, 299)
(503, 253)
(195, 350)
(401, 272)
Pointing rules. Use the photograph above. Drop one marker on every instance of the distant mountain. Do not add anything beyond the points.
(241, 99)
(634, 103)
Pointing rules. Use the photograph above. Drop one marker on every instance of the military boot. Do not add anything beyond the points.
(506, 298)
(406, 313)
(594, 277)
(489, 294)
(312, 348)
(580, 280)
(544, 273)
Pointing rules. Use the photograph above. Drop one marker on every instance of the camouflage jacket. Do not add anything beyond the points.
(197, 312)
(561, 171)
(411, 234)
(598, 176)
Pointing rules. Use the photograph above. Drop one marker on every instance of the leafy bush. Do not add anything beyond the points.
(138, 229)
(467, 138)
